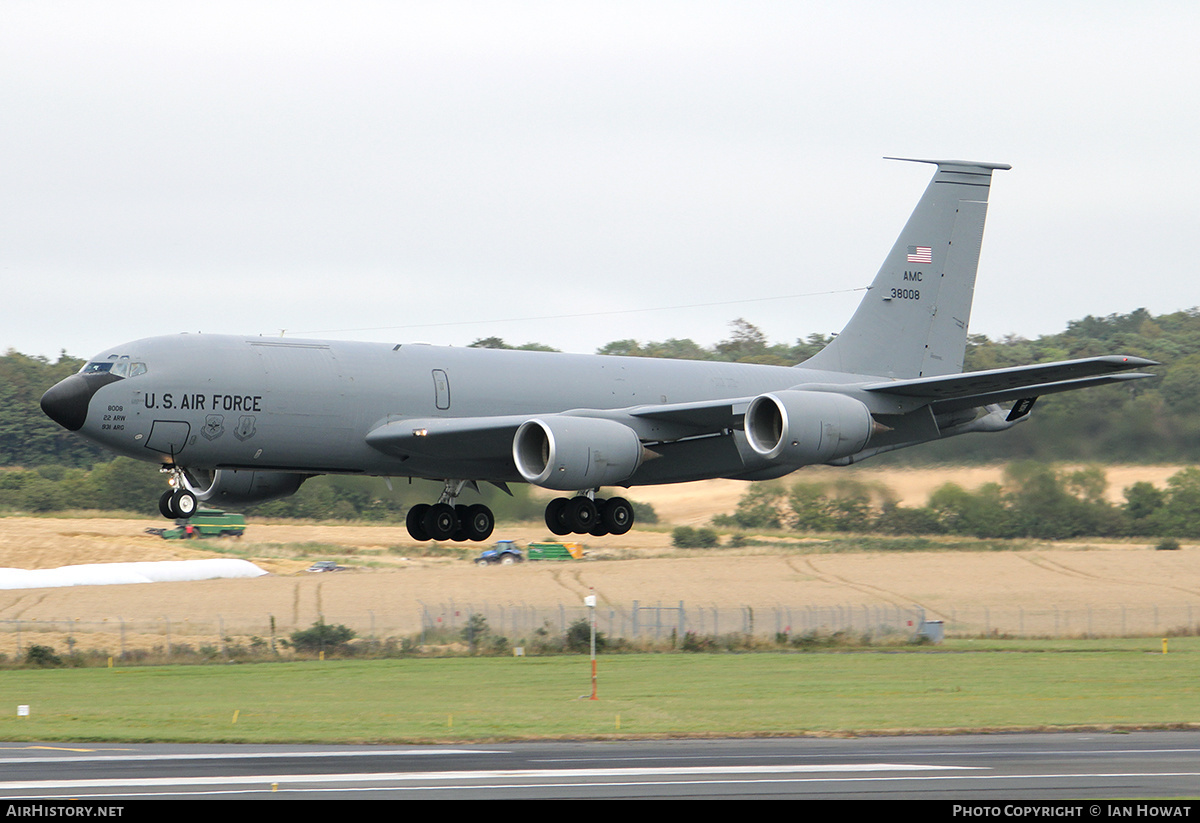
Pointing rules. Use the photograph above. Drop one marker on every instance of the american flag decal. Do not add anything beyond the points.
(920, 254)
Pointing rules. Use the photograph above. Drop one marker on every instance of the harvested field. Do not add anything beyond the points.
(694, 504)
(390, 582)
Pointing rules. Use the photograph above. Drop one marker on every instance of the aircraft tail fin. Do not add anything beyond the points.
(913, 321)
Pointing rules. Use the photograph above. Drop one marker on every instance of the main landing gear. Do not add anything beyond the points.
(582, 514)
(587, 514)
(177, 503)
(446, 521)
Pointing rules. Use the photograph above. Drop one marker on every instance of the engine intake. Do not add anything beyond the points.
(240, 486)
(573, 453)
(804, 427)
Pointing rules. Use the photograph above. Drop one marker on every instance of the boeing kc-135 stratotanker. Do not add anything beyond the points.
(245, 419)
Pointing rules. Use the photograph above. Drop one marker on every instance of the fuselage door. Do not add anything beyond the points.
(441, 389)
(168, 437)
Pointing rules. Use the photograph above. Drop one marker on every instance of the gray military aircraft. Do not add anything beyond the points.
(236, 420)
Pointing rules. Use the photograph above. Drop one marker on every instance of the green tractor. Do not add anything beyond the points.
(205, 523)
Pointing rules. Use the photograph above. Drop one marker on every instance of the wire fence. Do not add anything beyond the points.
(1114, 620)
(661, 621)
(656, 623)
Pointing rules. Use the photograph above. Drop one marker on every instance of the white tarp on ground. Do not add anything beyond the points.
(107, 574)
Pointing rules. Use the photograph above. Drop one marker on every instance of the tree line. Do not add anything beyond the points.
(1034, 500)
(1145, 421)
(1140, 422)
(124, 484)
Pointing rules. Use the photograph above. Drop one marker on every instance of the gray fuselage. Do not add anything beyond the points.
(215, 401)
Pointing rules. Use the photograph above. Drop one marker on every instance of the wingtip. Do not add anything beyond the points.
(1127, 361)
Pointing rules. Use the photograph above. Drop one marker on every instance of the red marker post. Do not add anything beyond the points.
(590, 602)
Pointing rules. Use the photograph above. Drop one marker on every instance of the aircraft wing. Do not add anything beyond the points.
(704, 417)
(469, 437)
(475, 438)
(962, 391)
(447, 437)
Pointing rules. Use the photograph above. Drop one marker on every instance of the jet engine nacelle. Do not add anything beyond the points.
(805, 427)
(573, 453)
(240, 486)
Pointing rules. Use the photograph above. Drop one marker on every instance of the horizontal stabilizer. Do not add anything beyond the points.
(1032, 391)
(977, 386)
(956, 165)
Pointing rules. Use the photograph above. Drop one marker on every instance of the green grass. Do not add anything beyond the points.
(1104, 684)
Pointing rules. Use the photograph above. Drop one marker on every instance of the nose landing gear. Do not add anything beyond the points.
(177, 502)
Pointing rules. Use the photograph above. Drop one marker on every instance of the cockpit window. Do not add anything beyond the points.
(120, 368)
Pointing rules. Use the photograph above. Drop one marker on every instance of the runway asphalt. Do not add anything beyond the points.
(976, 770)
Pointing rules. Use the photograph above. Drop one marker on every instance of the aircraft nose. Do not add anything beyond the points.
(66, 402)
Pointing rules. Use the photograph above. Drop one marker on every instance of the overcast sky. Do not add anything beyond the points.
(574, 173)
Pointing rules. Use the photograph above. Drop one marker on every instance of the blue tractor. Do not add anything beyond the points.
(503, 553)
